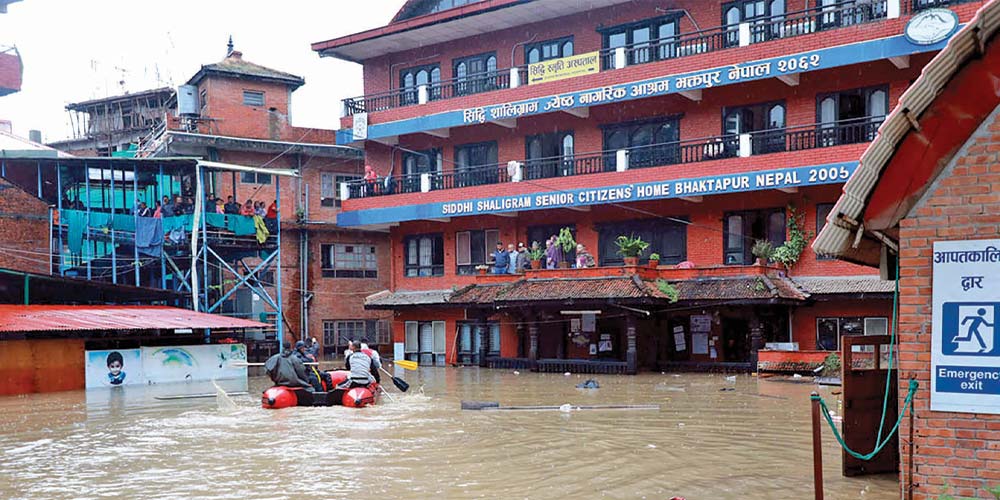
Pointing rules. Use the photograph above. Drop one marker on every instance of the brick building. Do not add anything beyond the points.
(703, 127)
(930, 184)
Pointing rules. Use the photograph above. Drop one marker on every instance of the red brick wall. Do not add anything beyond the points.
(24, 230)
(704, 236)
(961, 449)
(233, 118)
(804, 318)
(382, 74)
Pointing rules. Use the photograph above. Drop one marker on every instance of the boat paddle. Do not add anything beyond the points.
(396, 381)
(406, 365)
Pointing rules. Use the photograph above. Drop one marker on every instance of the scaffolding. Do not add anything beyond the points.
(226, 263)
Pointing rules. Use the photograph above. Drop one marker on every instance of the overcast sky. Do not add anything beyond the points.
(75, 50)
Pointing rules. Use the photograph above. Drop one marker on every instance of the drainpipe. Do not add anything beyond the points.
(27, 293)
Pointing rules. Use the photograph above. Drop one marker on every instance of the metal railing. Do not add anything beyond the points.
(788, 25)
(798, 138)
(909, 6)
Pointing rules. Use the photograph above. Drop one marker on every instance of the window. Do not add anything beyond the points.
(475, 74)
(411, 79)
(330, 188)
(473, 248)
(759, 13)
(851, 116)
(549, 155)
(830, 330)
(336, 333)
(766, 123)
(420, 162)
(255, 178)
(349, 261)
(549, 49)
(541, 234)
(469, 342)
(645, 41)
(742, 229)
(253, 98)
(424, 255)
(822, 212)
(468, 160)
(837, 13)
(425, 342)
(204, 101)
(651, 143)
(665, 237)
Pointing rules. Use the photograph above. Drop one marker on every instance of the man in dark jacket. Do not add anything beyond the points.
(231, 207)
(501, 260)
(287, 369)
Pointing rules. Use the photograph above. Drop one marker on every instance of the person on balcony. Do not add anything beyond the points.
(583, 257)
(231, 206)
(142, 210)
(553, 254)
(501, 260)
(371, 179)
(247, 208)
(512, 257)
(522, 258)
(272, 211)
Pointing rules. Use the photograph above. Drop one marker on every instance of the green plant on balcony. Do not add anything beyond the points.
(654, 259)
(535, 254)
(668, 290)
(763, 250)
(790, 251)
(630, 248)
(566, 243)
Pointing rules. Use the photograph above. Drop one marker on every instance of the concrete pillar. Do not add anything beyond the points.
(345, 191)
(746, 148)
(515, 78)
(532, 339)
(422, 94)
(892, 9)
(756, 341)
(744, 34)
(484, 339)
(425, 183)
(631, 356)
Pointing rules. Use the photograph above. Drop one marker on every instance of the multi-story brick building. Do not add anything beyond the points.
(703, 127)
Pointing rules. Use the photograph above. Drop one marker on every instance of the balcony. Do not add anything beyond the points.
(719, 38)
(798, 138)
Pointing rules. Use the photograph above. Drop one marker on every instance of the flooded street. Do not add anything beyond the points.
(749, 443)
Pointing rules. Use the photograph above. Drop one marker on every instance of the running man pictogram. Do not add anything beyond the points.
(977, 321)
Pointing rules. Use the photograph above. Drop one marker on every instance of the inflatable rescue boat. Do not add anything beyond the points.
(279, 396)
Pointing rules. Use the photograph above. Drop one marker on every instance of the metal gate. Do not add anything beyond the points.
(864, 361)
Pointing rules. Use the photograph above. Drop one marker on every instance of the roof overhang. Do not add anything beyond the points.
(935, 117)
(431, 30)
(175, 138)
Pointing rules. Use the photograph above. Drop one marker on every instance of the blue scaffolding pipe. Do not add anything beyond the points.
(86, 179)
(59, 209)
(135, 211)
(163, 262)
(114, 247)
(281, 315)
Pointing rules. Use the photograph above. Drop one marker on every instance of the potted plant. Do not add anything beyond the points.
(567, 244)
(763, 250)
(535, 255)
(654, 260)
(630, 248)
(482, 268)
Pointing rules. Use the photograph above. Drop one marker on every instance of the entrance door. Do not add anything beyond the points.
(864, 378)
(735, 340)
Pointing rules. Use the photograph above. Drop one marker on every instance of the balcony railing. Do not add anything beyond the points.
(918, 5)
(792, 24)
(820, 135)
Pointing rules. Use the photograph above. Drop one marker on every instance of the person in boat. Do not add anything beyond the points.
(376, 359)
(361, 365)
(318, 379)
(285, 368)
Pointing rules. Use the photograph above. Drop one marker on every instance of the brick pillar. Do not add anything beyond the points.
(484, 339)
(630, 352)
(532, 339)
(756, 341)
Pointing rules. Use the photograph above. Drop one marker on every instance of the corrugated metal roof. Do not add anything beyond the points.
(404, 298)
(48, 318)
(844, 285)
(838, 240)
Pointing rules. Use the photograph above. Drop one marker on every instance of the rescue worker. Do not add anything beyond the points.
(287, 369)
(361, 365)
(376, 359)
(319, 380)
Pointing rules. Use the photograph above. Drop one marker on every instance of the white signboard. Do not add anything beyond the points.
(679, 343)
(156, 365)
(965, 345)
(701, 322)
(360, 127)
(699, 343)
(113, 368)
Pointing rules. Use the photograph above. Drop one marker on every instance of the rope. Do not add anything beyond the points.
(907, 404)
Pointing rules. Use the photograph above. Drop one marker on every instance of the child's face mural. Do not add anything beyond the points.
(115, 367)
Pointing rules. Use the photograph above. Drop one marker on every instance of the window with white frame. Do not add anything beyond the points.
(424, 342)
(473, 248)
(330, 188)
(830, 330)
(253, 98)
(349, 261)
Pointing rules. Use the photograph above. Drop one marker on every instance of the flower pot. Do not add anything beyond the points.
(759, 262)
(564, 265)
(631, 261)
(654, 263)
(482, 271)
(536, 264)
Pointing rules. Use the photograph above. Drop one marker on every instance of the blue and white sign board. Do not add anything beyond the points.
(965, 356)
(156, 365)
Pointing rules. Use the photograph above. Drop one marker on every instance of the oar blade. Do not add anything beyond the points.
(405, 364)
(400, 384)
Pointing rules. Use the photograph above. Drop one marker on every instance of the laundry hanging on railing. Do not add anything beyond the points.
(76, 221)
(261, 229)
(149, 236)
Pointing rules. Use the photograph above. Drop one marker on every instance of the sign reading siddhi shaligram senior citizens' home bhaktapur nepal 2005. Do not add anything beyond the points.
(965, 355)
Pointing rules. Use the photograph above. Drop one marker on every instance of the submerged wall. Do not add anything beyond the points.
(49, 365)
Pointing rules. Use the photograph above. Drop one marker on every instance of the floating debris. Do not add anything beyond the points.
(589, 384)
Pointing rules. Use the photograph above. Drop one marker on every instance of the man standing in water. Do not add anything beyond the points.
(285, 368)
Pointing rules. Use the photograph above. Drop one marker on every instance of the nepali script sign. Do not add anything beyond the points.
(564, 67)
(965, 342)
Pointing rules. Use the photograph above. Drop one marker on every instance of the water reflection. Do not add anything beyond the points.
(711, 439)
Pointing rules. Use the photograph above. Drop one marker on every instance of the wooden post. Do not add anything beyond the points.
(630, 353)
(817, 448)
(533, 339)
(483, 340)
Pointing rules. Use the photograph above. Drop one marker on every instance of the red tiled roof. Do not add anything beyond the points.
(478, 294)
(47, 318)
(751, 288)
(616, 287)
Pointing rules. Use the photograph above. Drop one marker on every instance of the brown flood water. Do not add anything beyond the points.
(750, 443)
